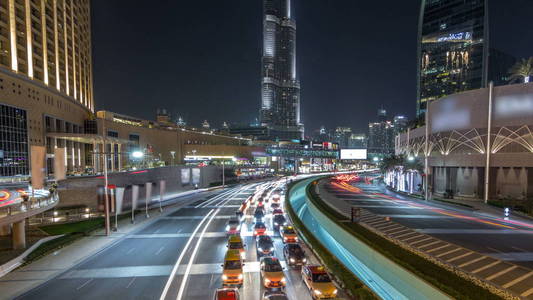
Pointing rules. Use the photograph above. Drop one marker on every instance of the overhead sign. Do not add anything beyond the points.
(353, 154)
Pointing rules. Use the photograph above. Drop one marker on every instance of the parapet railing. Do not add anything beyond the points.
(24, 209)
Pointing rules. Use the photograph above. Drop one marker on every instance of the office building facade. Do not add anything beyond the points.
(280, 90)
(452, 49)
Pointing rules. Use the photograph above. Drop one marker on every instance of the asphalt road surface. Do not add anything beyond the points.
(506, 240)
(174, 257)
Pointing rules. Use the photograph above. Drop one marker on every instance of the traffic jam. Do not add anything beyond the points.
(263, 214)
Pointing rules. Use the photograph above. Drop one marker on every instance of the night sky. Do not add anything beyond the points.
(202, 59)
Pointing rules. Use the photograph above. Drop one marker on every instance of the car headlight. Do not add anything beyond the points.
(243, 255)
(335, 291)
(292, 260)
(283, 279)
(267, 281)
(224, 277)
(227, 228)
(260, 249)
(276, 224)
(239, 277)
(317, 292)
(304, 260)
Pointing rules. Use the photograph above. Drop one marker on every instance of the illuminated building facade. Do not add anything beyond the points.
(453, 48)
(280, 90)
(45, 83)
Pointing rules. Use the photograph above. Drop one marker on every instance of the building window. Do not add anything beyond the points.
(14, 154)
(111, 133)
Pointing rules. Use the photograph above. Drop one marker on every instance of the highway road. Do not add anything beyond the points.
(177, 256)
(508, 240)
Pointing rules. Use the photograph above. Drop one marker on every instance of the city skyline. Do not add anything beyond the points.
(340, 71)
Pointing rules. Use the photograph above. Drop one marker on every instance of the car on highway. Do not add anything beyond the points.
(232, 272)
(264, 245)
(276, 197)
(259, 228)
(272, 273)
(277, 211)
(233, 227)
(294, 254)
(227, 294)
(274, 295)
(288, 234)
(318, 282)
(235, 243)
(259, 213)
(278, 220)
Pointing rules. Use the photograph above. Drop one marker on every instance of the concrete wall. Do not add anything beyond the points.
(89, 191)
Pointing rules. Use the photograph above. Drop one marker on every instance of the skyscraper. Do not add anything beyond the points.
(280, 91)
(452, 49)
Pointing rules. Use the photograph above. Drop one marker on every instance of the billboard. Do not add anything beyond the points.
(353, 154)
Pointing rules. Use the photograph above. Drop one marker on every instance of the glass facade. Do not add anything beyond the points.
(280, 109)
(14, 156)
(452, 49)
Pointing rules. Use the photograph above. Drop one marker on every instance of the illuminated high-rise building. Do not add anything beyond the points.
(45, 84)
(280, 108)
(452, 49)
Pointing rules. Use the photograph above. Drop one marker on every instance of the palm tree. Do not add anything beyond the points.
(522, 70)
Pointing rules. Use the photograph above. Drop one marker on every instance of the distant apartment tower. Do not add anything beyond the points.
(381, 136)
(280, 90)
(452, 48)
(342, 136)
(358, 141)
(400, 124)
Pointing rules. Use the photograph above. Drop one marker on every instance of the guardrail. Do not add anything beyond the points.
(34, 205)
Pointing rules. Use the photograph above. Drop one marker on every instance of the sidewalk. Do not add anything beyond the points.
(52, 265)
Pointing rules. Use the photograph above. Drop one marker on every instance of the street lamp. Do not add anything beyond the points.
(173, 153)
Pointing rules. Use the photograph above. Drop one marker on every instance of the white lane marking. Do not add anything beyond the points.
(449, 252)
(182, 254)
(195, 251)
(438, 248)
(472, 261)
(160, 249)
(486, 267)
(495, 250)
(191, 260)
(131, 281)
(501, 272)
(519, 249)
(527, 293)
(429, 244)
(86, 283)
(130, 250)
(460, 256)
(517, 280)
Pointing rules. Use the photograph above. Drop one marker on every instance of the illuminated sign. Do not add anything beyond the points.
(353, 154)
(127, 122)
(455, 37)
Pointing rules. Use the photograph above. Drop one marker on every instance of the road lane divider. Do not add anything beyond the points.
(182, 254)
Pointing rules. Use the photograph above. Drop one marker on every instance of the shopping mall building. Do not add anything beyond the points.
(464, 160)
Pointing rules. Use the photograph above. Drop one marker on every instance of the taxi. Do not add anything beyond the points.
(232, 273)
(288, 234)
(235, 243)
(272, 273)
(318, 282)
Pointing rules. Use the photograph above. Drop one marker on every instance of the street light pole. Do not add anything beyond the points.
(106, 182)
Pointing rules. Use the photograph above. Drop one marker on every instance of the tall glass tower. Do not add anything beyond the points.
(452, 49)
(280, 90)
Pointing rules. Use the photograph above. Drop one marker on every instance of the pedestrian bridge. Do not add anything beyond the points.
(16, 210)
